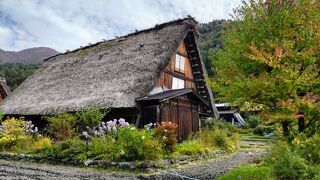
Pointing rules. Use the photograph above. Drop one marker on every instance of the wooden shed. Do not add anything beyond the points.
(152, 75)
(181, 106)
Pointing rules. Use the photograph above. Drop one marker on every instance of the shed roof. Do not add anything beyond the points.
(169, 94)
(111, 73)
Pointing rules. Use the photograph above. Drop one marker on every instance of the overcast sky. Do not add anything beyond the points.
(69, 24)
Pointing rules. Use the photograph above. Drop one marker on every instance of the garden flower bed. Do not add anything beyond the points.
(84, 139)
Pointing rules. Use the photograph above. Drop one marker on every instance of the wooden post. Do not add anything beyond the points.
(139, 116)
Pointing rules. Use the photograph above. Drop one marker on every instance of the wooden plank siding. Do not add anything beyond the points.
(169, 72)
(183, 112)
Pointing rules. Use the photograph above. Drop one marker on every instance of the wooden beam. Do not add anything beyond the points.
(180, 76)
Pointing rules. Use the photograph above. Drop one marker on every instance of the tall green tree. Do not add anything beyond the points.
(270, 62)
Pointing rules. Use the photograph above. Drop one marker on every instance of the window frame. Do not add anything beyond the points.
(180, 83)
(177, 64)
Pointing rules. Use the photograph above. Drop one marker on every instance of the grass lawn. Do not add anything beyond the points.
(248, 172)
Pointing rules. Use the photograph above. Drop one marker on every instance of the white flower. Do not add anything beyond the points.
(165, 130)
(85, 133)
(36, 129)
(142, 137)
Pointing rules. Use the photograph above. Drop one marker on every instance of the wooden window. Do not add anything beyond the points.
(177, 83)
(179, 66)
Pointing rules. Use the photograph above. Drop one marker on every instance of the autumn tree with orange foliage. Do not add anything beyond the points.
(270, 62)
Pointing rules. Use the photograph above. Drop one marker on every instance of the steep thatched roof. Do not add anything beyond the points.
(4, 89)
(111, 73)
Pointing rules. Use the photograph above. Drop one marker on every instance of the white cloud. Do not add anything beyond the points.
(62, 24)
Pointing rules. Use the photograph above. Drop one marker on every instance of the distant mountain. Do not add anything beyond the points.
(26, 56)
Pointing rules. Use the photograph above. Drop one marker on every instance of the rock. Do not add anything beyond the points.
(182, 158)
(126, 165)
(88, 162)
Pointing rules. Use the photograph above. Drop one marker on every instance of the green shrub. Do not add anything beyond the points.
(286, 164)
(13, 135)
(125, 144)
(19, 136)
(41, 143)
(133, 144)
(217, 137)
(309, 148)
(213, 123)
(248, 172)
(222, 140)
(253, 121)
(61, 126)
(191, 147)
(263, 129)
(205, 136)
(314, 172)
(90, 117)
(102, 148)
(69, 150)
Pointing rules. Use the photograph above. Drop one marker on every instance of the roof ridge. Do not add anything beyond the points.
(189, 20)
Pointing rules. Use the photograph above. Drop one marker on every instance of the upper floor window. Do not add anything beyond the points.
(179, 66)
(177, 83)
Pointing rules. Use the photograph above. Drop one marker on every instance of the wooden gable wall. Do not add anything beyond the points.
(169, 72)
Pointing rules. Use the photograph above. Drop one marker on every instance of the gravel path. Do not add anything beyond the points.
(212, 168)
(18, 170)
(199, 170)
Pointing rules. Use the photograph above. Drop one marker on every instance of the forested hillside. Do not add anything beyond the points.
(210, 40)
(15, 73)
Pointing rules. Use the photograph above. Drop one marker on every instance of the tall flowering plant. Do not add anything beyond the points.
(104, 128)
(167, 134)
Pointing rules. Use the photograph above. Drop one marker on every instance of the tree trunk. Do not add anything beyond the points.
(285, 128)
(301, 124)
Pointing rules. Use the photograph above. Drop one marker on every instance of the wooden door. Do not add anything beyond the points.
(185, 119)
